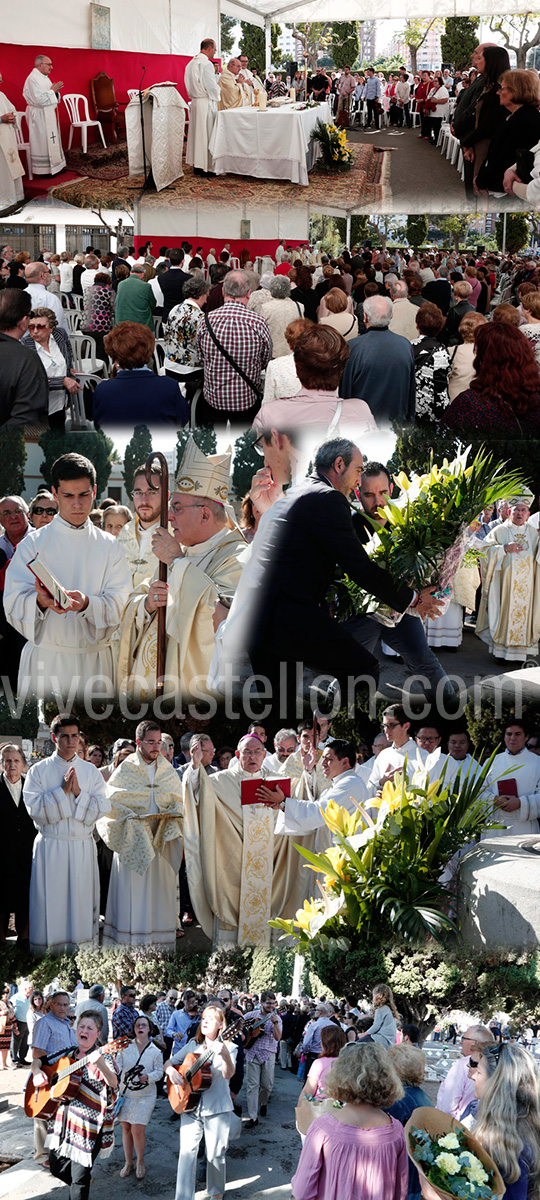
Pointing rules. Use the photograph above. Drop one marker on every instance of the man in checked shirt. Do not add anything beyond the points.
(231, 394)
(261, 1059)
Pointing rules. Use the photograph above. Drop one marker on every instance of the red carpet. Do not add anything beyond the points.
(40, 185)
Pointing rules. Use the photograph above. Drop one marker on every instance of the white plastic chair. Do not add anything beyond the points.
(74, 104)
(21, 143)
(85, 360)
(77, 301)
(74, 319)
(158, 357)
(158, 322)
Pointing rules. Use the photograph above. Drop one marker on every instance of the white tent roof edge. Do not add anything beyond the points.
(261, 11)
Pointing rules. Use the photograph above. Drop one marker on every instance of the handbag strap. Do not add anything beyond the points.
(351, 326)
(232, 361)
(130, 1071)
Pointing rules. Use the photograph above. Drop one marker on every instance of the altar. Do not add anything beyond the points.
(267, 144)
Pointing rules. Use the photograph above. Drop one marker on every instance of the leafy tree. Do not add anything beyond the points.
(137, 451)
(313, 36)
(344, 43)
(416, 229)
(253, 44)
(12, 462)
(272, 968)
(246, 463)
(93, 445)
(454, 228)
(226, 34)
(517, 232)
(276, 56)
(415, 34)
(204, 437)
(520, 33)
(23, 721)
(459, 39)
(415, 444)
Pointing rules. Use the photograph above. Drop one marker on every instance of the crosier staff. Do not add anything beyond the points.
(164, 521)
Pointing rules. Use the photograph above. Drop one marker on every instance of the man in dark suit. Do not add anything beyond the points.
(24, 392)
(119, 261)
(290, 622)
(172, 282)
(18, 833)
(450, 335)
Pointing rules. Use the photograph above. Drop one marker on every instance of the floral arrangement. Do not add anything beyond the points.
(383, 877)
(426, 532)
(306, 104)
(449, 1164)
(335, 150)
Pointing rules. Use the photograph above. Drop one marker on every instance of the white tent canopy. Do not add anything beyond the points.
(260, 12)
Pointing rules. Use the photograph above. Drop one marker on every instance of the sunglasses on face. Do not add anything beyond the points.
(33, 325)
(473, 1062)
(39, 512)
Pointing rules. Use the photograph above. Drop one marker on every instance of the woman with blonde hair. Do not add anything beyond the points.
(339, 317)
(462, 356)
(410, 1064)
(385, 1016)
(357, 1152)
(212, 1116)
(507, 1085)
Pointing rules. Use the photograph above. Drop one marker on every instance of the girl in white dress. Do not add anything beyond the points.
(141, 1066)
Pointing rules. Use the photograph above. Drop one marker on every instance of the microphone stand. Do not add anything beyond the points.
(148, 178)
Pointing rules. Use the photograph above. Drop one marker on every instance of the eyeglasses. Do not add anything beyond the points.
(258, 447)
(11, 514)
(38, 325)
(179, 508)
(39, 512)
(473, 1062)
(493, 1052)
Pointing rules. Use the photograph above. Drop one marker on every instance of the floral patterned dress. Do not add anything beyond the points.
(431, 366)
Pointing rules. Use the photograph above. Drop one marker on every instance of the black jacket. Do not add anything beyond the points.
(172, 283)
(18, 833)
(316, 536)
(439, 292)
(464, 118)
(520, 131)
(491, 118)
(24, 389)
(450, 335)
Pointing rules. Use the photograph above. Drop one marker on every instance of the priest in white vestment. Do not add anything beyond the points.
(509, 612)
(136, 537)
(144, 830)
(458, 761)
(43, 98)
(240, 872)
(234, 91)
(11, 168)
(344, 787)
(514, 778)
(203, 90)
(68, 651)
(65, 796)
(396, 727)
(202, 556)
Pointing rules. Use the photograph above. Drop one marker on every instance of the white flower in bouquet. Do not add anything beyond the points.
(448, 1163)
(449, 1141)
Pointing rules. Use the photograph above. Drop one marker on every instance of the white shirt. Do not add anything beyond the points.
(302, 816)
(88, 276)
(392, 759)
(41, 298)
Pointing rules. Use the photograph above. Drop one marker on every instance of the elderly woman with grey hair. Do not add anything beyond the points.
(182, 361)
(261, 295)
(54, 349)
(279, 312)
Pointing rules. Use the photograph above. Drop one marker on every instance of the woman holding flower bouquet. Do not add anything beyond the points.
(507, 1084)
(357, 1152)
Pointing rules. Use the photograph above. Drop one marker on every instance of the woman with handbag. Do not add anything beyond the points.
(8, 1025)
(212, 1116)
(141, 1068)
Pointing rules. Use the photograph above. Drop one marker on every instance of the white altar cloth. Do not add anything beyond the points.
(273, 144)
(164, 111)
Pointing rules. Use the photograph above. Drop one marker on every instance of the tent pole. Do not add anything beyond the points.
(504, 234)
(348, 232)
(268, 44)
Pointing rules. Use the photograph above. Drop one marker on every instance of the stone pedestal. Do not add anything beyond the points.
(499, 889)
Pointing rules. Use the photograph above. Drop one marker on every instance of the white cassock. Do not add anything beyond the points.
(524, 768)
(43, 126)
(306, 816)
(65, 650)
(11, 168)
(393, 759)
(64, 886)
(203, 90)
(436, 762)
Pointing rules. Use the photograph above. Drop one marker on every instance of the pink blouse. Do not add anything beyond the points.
(317, 1075)
(344, 1162)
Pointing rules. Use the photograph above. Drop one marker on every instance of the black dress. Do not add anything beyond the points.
(521, 131)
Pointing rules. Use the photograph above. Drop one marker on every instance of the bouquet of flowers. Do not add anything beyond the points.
(450, 1158)
(426, 532)
(335, 151)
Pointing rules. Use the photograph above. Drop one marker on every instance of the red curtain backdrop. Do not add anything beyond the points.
(77, 67)
(254, 247)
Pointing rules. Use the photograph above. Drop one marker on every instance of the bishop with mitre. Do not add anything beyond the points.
(509, 612)
(202, 556)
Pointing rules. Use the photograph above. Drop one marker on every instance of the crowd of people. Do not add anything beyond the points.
(117, 861)
(349, 343)
(362, 1067)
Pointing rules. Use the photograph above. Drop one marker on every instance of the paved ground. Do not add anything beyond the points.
(259, 1165)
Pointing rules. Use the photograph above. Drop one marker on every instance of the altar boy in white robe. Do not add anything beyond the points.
(43, 98)
(11, 168)
(344, 788)
(514, 778)
(64, 795)
(203, 90)
(144, 830)
(68, 651)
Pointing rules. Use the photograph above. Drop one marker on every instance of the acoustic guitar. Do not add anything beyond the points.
(63, 1080)
(196, 1072)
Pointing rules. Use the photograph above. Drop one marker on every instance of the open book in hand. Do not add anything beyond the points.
(51, 585)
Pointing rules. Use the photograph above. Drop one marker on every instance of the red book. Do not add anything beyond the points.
(507, 787)
(249, 787)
